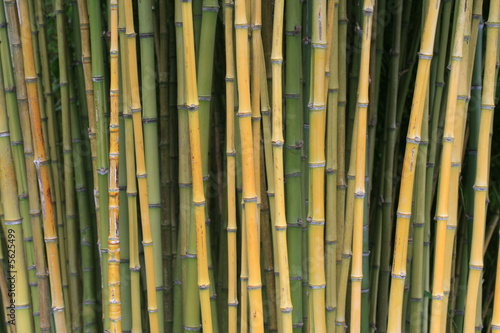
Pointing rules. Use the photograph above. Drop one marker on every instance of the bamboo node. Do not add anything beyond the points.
(480, 188)
(4, 134)
(476, 267)
(13, 222)
(248, 200)
(400, 276)
(318, 286)
(403, 215)
(437, 297)
(253, 287)
(492, 24)
(192, 329)
(241, 26)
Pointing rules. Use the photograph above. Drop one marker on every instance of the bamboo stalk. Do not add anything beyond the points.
(232, 228)
(442, 213)
(17, 273)
(196, 167)
(408, 173)
(26, 180)
(114, 293)
(150, 128)
(249, 191)
(50, 233)
(294, 144)
(359, 191)
(279, 187)
(131, 190)
(482, 173)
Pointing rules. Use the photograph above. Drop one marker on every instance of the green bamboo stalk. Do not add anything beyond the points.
(471, 158)
(69, 186)
(150, 125)
(285, 320)
(389, 172)
(102, 162)
(26, 181)
(294, 142)
(205, 65)
(17, 273)
(165, 171)
(131, 187)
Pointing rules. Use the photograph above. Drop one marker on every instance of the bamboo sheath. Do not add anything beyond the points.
(482, 172)
(408, 173)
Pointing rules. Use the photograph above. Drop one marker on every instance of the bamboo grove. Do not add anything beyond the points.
(249, 166)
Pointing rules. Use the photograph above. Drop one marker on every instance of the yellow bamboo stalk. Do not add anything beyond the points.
(456, 160)
(232, 255)
(256, 50)
(317, 109)
(50, 232)
(285, 322)
(249, 191)
(196, 168)
(442, 213)
(482, 172)
(359, 191)
(135, 108)
(409, 166)
(114, 294)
